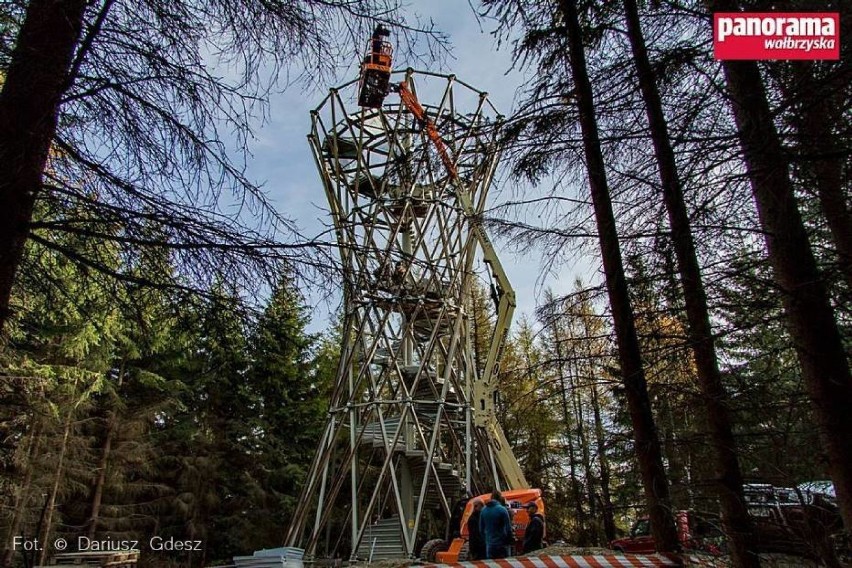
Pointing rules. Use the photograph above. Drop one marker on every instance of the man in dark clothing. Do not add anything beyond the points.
(476, 543)
(456, 518)
(495, 527)
(535, 529)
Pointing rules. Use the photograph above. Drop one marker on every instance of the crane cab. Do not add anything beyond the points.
(376, 70)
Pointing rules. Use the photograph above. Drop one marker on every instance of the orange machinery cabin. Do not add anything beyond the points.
(376, 70)
(516, 499)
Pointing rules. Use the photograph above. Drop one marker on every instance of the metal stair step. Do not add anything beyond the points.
(382, 539)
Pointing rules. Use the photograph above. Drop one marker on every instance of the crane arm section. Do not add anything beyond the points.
(484, 389)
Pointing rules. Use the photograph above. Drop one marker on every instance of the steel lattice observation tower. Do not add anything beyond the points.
(411, 424)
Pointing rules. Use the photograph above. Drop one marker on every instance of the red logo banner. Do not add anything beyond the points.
(776, 35)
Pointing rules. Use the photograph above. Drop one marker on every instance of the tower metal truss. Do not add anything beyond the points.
(411, 425)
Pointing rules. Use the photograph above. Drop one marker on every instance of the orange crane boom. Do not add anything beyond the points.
(413, 105)
(374, 87)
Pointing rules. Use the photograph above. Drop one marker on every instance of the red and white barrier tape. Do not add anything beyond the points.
(569, 561)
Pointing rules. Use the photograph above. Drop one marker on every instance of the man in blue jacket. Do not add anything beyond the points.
(495, 526)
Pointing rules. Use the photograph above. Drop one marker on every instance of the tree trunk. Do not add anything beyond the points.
(668, 439)
(566, 420)
(100, 481)
(29, 106)
(735, 519)
(809, 315)
(22, 497)
(50, 506)
(593, 351)
(106, 451)
(818, 104)
(647, 442)
(577, 377)
(603, 464)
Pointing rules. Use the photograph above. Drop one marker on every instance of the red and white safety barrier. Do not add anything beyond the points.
(702, 561)
(570, 561)
(594, 561)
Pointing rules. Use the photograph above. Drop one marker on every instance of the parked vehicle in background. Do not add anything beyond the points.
(695, 532)
(640, 539)
(802, 521)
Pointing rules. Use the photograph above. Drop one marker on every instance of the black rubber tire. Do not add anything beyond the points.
(431, 548)
(842, 544)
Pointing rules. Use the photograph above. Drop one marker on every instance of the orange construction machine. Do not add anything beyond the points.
(376, 69)
(438, 550)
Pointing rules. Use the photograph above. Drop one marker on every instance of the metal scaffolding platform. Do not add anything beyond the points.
(410, 426)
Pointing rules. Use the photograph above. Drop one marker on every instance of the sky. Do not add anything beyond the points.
(282, 162)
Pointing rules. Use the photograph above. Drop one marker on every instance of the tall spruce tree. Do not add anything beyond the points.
(648, 451)
(124, 96)
(291, 375)
(735, 518)
(552, 31)
(58, 350)
(810, 316)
